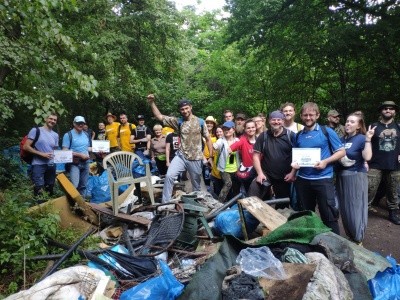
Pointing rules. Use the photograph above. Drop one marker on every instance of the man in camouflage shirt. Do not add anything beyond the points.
(189, 156)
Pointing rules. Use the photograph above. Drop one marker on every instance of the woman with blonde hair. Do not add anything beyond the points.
(157, 149)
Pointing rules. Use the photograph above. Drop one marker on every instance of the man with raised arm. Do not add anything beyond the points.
(189, 156)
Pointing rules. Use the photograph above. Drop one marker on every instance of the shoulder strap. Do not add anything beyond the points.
(265, 141)
(130, 128)
(89, 138)
(291, 136)
(70, 139)
(325, 132)
(297, 136)
(119, 129)
(37, 134)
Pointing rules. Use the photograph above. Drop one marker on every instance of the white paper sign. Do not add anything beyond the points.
(101, 146)
(306, 157)
(62, 156)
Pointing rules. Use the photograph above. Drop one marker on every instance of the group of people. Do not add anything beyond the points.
(242, 152)
(242, 155)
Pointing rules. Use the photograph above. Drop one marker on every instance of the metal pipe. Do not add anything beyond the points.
(58, 256)
(276, 201)
(223, 207)
(128, 241)
(68, 253)
(90, 256)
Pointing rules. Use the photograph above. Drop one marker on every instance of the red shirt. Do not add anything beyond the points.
(246, 150)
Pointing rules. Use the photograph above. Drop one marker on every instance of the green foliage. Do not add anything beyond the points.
(22, 234)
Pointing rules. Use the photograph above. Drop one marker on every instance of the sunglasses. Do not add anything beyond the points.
(388, 108)
(80, 123)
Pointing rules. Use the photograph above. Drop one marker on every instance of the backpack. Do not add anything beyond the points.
(27, 156)
(324, 131)
(290, 135)
(144, 128)
(70, 138)
(130, 129)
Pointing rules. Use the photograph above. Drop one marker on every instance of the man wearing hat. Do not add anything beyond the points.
(334, 122)
(385, 162)
(79, 142)
(112, 132)
(239, 124)
(189, 157)
(272, 157)
(314, 185)
(142, 137)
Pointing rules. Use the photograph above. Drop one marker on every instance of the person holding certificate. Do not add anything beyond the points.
(314, 184)
(352, 180)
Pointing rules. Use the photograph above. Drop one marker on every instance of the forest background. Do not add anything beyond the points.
(90, 57)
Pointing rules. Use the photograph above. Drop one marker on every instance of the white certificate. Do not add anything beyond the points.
(306, 157)
(101, 146)
(62, 156)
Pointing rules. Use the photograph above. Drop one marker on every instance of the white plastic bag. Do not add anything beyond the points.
(260, 262)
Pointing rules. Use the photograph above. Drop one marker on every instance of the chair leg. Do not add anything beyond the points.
(151, 192)
(115, 200)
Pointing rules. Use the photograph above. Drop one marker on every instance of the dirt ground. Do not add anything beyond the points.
(381, 235)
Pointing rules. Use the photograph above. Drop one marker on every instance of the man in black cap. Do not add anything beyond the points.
(334, 122)
(142, 137)
(385, 162)
(189, 156)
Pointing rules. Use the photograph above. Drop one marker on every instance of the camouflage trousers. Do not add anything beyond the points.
(391, 180)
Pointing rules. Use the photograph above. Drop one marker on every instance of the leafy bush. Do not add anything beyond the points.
(22, 234)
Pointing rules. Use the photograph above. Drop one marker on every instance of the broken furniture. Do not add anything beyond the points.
(194, 212)
(119, 166)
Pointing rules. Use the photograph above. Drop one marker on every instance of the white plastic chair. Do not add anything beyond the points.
(119, 168)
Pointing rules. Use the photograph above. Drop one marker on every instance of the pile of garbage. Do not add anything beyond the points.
(197, 248)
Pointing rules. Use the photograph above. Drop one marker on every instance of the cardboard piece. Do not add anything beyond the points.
(61, 206)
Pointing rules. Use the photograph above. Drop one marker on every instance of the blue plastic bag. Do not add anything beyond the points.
(228, 222)
(386, 285)
(162, 287)
(98, 189)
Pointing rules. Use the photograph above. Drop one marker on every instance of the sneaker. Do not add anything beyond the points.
(394, 216)
(372, 209)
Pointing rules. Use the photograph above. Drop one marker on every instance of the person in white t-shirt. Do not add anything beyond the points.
(289, 110)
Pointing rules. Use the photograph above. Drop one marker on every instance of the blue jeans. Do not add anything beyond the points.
(178, 165)
(79, 175)
(43, 177)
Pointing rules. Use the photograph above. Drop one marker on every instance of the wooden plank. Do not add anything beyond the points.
(73, 193)
(268, 216)
(120, 216)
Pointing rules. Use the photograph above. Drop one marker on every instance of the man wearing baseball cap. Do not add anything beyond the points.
(79, 142)
(334, 122)
(385, 162)
(272, 157)
(142, 137)
(189, 157)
